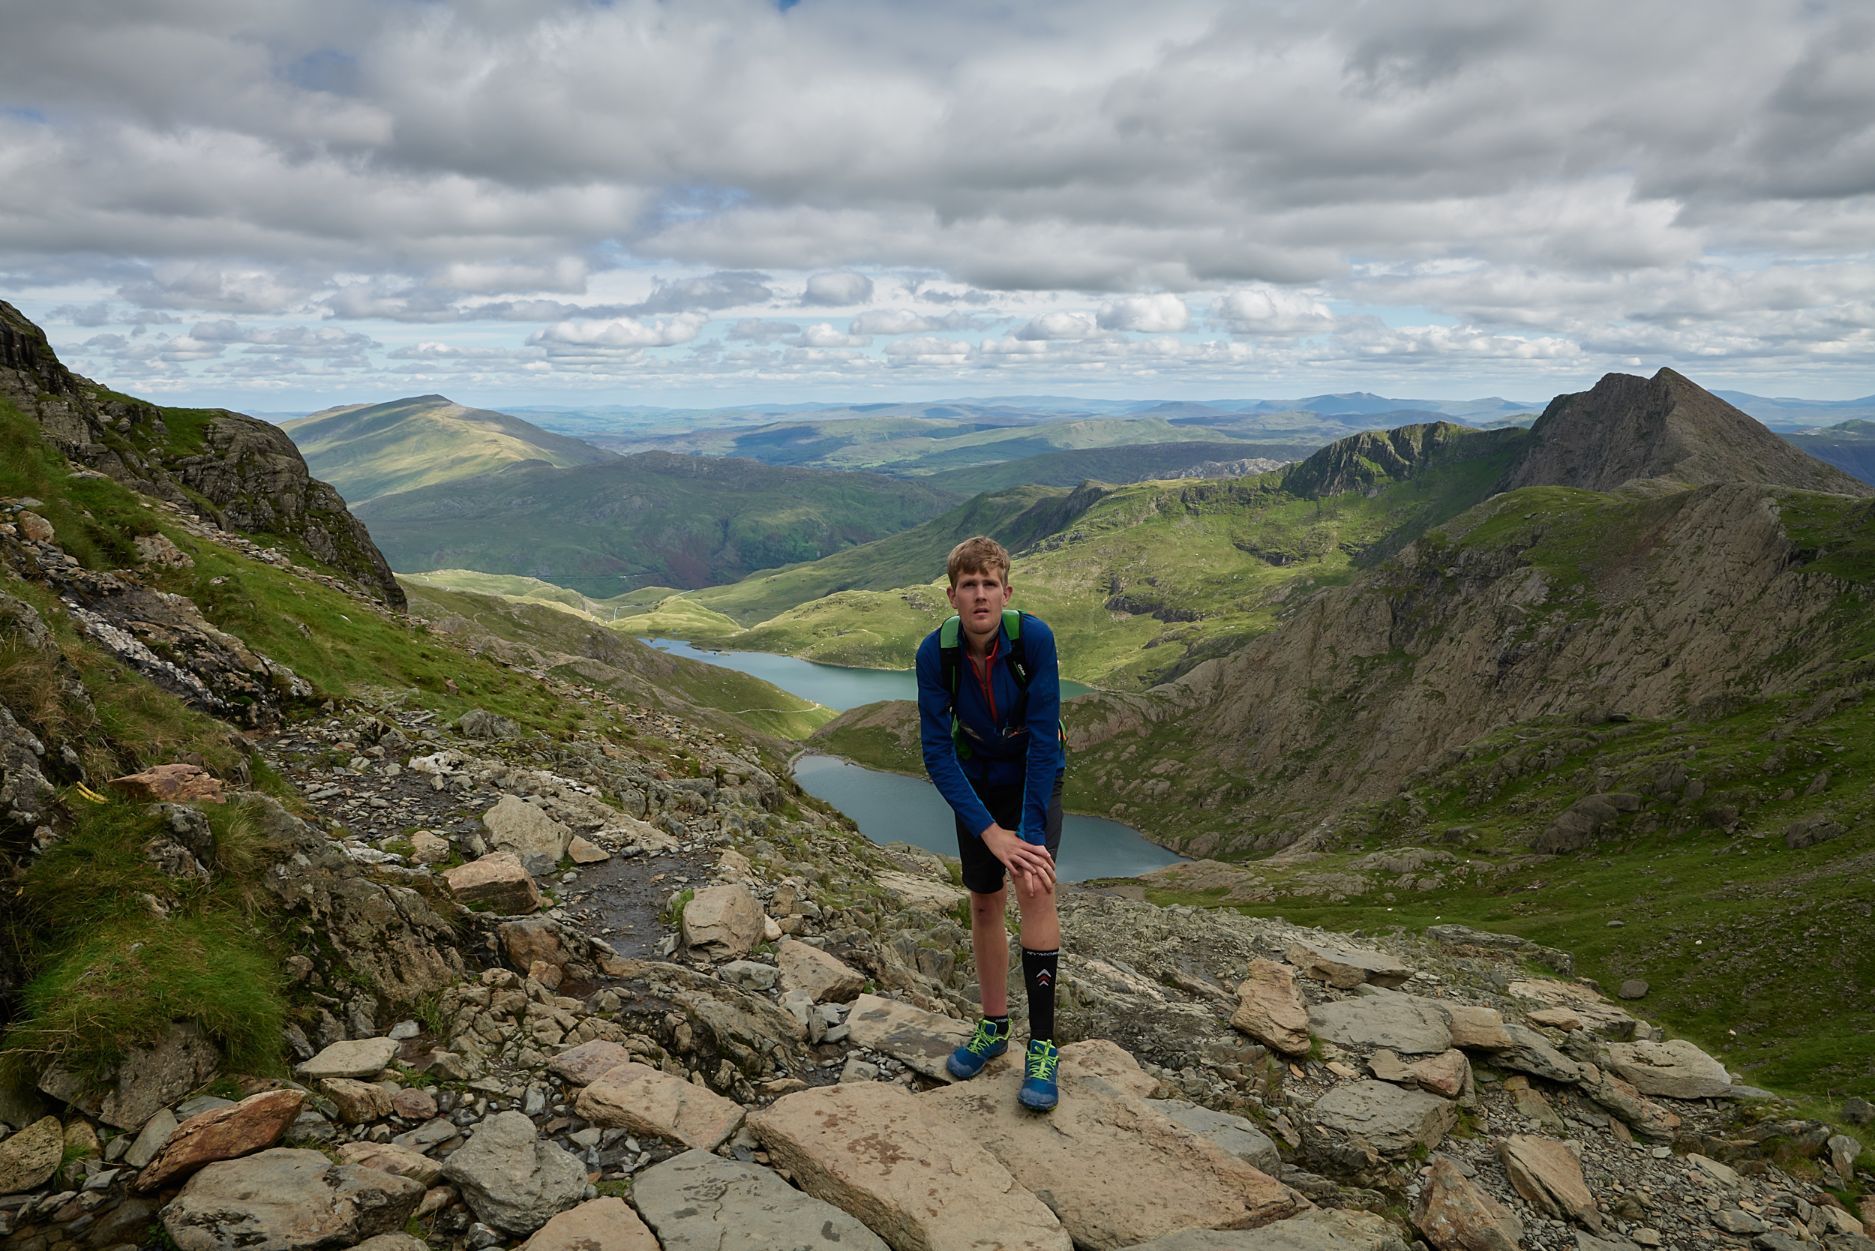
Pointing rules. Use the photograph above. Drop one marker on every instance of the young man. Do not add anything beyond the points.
(990, 722)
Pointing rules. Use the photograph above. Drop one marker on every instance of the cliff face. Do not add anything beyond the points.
(239, 472)
(1628, 428)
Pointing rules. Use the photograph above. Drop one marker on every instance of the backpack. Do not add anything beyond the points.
(950, 657)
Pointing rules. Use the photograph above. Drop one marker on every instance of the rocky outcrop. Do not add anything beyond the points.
(241, 473)
(293, 1200)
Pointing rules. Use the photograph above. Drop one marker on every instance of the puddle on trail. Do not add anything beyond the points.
(622, 900)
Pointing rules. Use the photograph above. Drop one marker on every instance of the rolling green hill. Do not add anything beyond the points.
(1134, 463)
(652, 518)
(368, 450)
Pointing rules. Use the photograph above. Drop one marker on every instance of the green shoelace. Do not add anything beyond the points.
(987, 1036)
(1043, 1063)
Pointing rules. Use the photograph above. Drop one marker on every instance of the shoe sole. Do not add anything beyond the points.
(951, 1068)
(1035, 1104)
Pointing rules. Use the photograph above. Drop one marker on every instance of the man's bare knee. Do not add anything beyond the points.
(984, 906)
(1034, 902)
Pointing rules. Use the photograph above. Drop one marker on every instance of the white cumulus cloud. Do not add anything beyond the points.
(1164, 313)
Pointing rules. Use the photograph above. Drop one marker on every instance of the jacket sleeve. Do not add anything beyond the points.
(940, 753)
(1045, 759)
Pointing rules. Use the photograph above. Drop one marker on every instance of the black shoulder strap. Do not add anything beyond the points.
(950, 648)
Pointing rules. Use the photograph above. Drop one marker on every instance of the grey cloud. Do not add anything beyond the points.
(761, 329)
(837, 289)
(722, 289)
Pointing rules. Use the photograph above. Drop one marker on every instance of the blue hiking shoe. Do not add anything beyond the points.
(1039, 1091)
(984, 1045)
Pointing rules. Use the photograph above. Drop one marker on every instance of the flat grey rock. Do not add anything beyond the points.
(1320, 1229)
(513, 1180)
(1235, 1134)
(701, 1202)
(1392, 1119)
(358, 1057)
(1404, 1023)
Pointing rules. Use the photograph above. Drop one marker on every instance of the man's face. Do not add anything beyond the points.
(979, 598)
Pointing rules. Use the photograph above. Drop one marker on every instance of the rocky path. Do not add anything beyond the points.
(702, 1014)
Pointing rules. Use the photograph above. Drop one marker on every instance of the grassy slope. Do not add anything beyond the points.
(675, 521)
(1115, 464)
(377, 449)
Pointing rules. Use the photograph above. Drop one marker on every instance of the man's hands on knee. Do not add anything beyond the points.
(1033, 867)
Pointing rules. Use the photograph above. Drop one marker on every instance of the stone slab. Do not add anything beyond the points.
(825, 978)
(1320, 1229)
(646, 1100)
(701, 1202)
(1403, 1023)
(1392, 1119)
(873, 1150)
(604, 1224)
(1270, 1008)
(357, 1057)
(1348, 967)
(922, 1040)
(1235, 1134)
(1675, 1069)
(1136, 1173)
(287, 1200)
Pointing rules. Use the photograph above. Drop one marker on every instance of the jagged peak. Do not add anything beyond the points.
(1362, 461)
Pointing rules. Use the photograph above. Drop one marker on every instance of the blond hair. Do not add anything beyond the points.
(980, 554)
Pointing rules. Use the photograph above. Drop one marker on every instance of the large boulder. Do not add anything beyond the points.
(513, 1180)
(917, 1180)
(1456, 1214)
(1348, 967)
(1270, 1008)
(1390, 1119)
(1136, 1174)
(1548, 1174)
(287, 1200)
(1675, 1069)
(254, 1124)
(722, 922)
(650, 1101)
(514, 825)
(701, 1202)
(147, 1079)
(604, 1224)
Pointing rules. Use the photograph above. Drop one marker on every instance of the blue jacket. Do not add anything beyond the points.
(1003, 751)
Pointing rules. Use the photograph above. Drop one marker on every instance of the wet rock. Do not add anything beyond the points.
(722, 922)
(1403, 1023)
(938, 1188)
(1270, 1008)
(359, 1057)
(1391, 1119)
(700, 1202)
(1456, 1214)
(254, 1124)
(807, 968)
(645, 1100)
(288, 1200)
(1675, 1069)
(511, 1179)
(498, 882)
(1549, 1176)
(605, 1224)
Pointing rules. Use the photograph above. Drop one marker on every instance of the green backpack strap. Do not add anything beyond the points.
(950, 657)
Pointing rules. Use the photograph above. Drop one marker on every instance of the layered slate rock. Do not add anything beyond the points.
(498, 882)
(514, 825)
(511, 1179)
(1348, 967)
(1270, 1008)
(1675, 1069)
(254, 1124)
(1319, 1229)
(1548, 1174)
(722, 922)
(1532, 1053)
(388, 1157)
(807, 968)
(1476, 1028)
(1384, 1018)
(647, 1100)
(604, 1224)
(1136, 1174)
(1390, 1119)
(921, 1040)
(286, 1200)
(701, 1202)
(1456, 1214)
(875, 1151)
(358, 1057)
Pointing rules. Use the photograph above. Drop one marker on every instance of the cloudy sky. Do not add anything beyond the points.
(279, 206)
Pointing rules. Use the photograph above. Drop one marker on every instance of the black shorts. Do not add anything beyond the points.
(983, 872)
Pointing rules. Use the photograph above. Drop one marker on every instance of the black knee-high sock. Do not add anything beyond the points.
(1039, 970)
